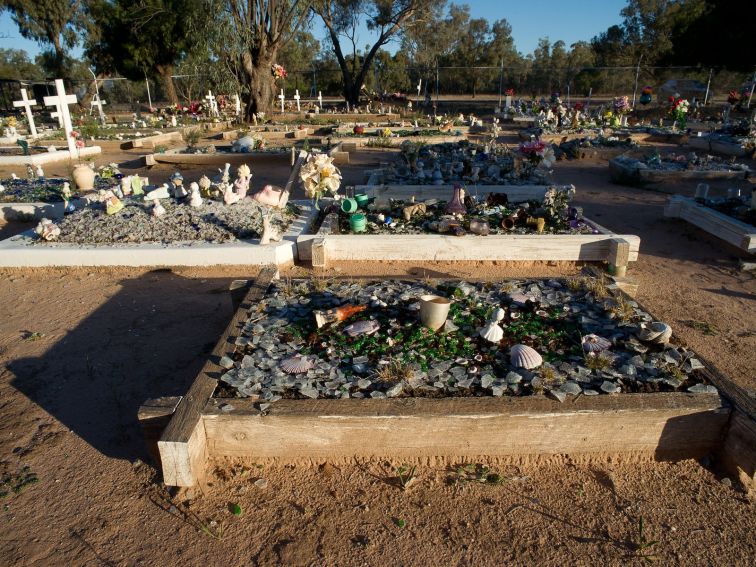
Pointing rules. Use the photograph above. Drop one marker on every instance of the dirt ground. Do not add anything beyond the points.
(81, 349)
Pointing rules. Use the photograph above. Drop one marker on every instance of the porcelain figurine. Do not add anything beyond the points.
(270, 234)
(225, 173)
(412, 210)
(112, 203)
(126, 185)
(243, 178)
(178, 190)
(47, 229)
(272, 197)
(195, 199)
(157, 209)
(229, 196)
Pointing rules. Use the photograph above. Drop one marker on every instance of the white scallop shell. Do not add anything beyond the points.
(492, 332)
(594, 343)
(656, 332)
(297, 364)
(523, 356)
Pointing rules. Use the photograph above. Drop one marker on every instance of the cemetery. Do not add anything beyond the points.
(301, 283)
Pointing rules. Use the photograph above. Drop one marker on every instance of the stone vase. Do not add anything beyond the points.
(83, 177)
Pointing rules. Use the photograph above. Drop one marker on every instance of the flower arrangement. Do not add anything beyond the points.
(733, 98)
(108, 171)
(679, 111)
(538, 153)
(79, 142)
(509, 92)
(10, 122)
(621, 105)
(319, 176)
(278, 71)
(385, 133)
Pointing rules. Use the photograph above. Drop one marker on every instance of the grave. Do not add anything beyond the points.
(591, 243)
(738, 233)
(626, 170)
(468, 404)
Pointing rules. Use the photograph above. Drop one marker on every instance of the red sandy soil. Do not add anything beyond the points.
(109, 339)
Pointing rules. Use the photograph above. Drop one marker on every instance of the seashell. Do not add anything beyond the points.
(656, 332)
(362, 328)
(514, 315)
(594, 343)
(498, 314)
(523, 356)
(47, 230)
(542, 313)
(521, 298)
(492, 332)
(297, 364)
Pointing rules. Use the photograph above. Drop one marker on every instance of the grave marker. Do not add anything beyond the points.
(297, 97)
(27, 103)
(212, 103)
(282, 98)
(61, 101)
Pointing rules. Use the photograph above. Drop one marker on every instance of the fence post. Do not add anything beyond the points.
(501, 80)
(637, 74)
(708, 86)
(149, 97)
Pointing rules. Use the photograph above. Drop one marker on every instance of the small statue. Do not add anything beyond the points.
(112, 203)
(126, 185)
(157, 209)
(229, 197)
(243, 177)
(195, 199)
(412, 210)
(269, 234)
(179, 191)
(47, 229)
(136, 185)
(39, 173)
(225, 173)
(204, 185)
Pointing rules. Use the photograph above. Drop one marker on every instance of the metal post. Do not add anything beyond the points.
(99, 107)
(149, 97)
(501, 80)
(436, 81)
(708, 86)
(637, 74)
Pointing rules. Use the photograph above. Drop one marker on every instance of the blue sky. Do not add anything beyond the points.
(569, 21)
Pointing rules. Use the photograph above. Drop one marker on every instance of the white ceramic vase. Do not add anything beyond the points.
(434, 310)
(83, 177)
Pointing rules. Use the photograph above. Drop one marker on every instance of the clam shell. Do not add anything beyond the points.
(297, 364)
(594, 343)
(492, 332)
(362, 328)
(523, 356)
(656, 332)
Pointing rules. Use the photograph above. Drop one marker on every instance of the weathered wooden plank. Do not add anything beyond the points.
(182, 445)
(436, 247)
(738, 452)
(665, 425)
(306, 243)
(619, 256)
(153, 416)
(731, 230)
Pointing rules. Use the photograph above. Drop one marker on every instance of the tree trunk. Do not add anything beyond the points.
(262, 85)
(165, 72)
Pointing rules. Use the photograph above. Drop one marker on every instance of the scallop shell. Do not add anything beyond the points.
(492, 332)
(297, 364)
(594, 343)
(523, 356)
(656, 332)
(362, 328)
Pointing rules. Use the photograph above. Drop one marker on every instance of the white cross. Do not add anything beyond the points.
(297, 97)
(347, 107)
(99, 103)
(320, 100)
(211, 102)
(282, 97)
(419, 86)
(27, 103)
(237, 104)
(62, 100)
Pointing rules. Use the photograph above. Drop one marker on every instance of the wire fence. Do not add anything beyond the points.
(481, 82)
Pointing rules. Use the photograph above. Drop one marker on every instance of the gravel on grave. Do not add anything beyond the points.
(682, 162)
(404, 359)
(213, 222)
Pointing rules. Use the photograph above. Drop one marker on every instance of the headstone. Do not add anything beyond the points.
(212, 103)
(297, 97)
(99, 103)
(281, 97)
(62, 100)
(508, 102)
(27, 103)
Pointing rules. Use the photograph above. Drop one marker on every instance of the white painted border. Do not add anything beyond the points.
(18, 251)
(49, 157)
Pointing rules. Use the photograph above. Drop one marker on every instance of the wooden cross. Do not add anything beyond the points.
(320, 100)
(297, 97)
(27, 103)
(211, 102)
(281, 98)
(61, 101)
(419, 86)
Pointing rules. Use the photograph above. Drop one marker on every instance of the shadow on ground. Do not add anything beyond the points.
(150, 339)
